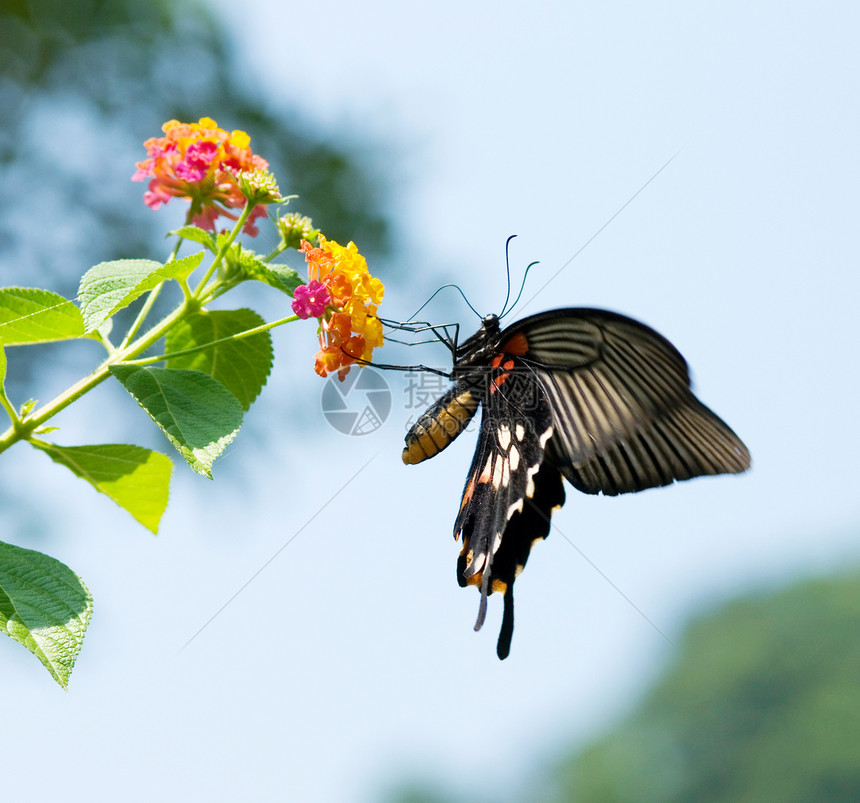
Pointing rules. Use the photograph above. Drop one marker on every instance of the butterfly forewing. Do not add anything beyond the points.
(624, 414)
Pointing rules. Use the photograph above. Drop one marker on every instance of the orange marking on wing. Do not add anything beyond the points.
(500, 380)
(476, 579)
(498, 586)
(467, 494)
(518, 345)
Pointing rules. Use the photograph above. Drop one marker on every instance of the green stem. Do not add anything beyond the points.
(23, 429)
(10, 409)
(281, 248)
(109, 347)
(196, 349)
(148, 304)
(223, 250)
(141, 316)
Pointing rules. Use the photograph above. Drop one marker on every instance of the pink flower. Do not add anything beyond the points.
(310, 300)
(199, 161)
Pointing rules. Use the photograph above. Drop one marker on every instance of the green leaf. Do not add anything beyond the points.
(196, 412)
(110, 286)
(31, 315)
(137, 479)
(242, 366)
(278, 276)
(3, 375)
(177, 269)
(45, 606)
(196, 235)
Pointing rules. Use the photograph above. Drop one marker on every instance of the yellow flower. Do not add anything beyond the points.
(349, 329)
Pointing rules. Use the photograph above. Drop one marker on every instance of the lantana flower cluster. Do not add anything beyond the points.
(200, 161)
(218, 173)
(343, 295)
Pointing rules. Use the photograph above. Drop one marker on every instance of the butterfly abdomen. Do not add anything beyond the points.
(441, 423)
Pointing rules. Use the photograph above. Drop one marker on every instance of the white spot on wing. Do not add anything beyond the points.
(520, 432)
(477, 563)
(499, 474)
(514, 458)
(545, 437)
(516, 507)
(504, 437)
(530, 484)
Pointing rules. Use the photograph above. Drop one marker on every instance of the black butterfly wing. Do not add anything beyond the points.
(510, 492)
(624, 416)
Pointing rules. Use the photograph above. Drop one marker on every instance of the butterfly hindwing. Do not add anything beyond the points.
(511, 489)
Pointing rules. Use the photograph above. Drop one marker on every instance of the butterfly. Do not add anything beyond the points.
(586, 395)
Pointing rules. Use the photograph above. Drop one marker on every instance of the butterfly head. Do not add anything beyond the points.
(490, 323)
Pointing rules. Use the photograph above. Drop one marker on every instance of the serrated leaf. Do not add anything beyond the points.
(247, 258)
(176, 269)
(110, 286)
(137, 479)
(31, 315)
(242, 366)
(197, 413)
(45, 606)
(196, 235)
(278, 276)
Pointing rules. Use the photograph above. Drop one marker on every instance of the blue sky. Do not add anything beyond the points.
(349, 662)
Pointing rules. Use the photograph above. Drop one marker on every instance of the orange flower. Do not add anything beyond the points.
(349, 329)
(200, 161)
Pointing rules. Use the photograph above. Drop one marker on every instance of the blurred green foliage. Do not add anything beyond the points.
(761, 705)
(84, 82)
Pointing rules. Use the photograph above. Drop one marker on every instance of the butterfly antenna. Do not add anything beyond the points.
(443, 287)
(520, 294)
(507, 273)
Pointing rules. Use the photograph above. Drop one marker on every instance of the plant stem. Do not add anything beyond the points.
(7, 405)
(205, 346)
(23, 428)
(141, 316)
(243, 217)
(148, 304)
